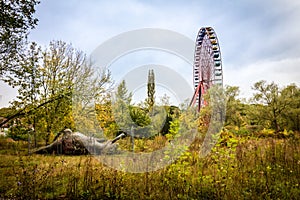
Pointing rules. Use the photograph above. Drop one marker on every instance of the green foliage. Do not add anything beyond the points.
(275, 105)
(105, 119)
(272, 108)
(174, 128)
(242, 131)
(235, 109)
(290, 116)
(55, 86)
(150, 90)
(237, 168)
(16, 19)
(139, 116)
(18, 133)
(5, 112)
(61, 68)
(172, 115)
(267, 132)
(268, 95)
(121, 107)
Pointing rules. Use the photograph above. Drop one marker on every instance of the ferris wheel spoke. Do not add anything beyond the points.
(207, 64)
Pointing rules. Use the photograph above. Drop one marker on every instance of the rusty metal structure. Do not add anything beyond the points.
(207, 68)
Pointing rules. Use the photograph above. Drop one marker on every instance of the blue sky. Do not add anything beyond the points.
(259, 39)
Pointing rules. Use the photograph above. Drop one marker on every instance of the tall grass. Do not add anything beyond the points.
(236, 169)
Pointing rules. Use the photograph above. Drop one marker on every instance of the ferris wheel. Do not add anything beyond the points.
(207, 69)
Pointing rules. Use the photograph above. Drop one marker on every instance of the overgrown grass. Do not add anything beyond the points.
(237, 168)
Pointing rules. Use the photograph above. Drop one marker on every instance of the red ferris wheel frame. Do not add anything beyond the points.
(207, 69)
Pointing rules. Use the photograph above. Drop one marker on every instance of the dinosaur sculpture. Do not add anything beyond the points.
(75, 143)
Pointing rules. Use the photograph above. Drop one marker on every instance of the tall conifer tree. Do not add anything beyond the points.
(151, 89)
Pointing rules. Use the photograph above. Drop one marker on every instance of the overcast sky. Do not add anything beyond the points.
(259, 39)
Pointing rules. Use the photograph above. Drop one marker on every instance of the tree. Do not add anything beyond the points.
(53, 85)
(139, 116)
(172, 115)
(105, 117)
(121, 107)
(151, 90)
(16, 19)
(66, 72)
(291, 115)
(234, 107)
(28, 82)
(273, 105)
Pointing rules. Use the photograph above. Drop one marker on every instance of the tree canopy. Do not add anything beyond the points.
(16, 19)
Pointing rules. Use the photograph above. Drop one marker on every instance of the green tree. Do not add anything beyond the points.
(235, 114)
(139, 116)
(60, 62)
(273, 105)
(172, 115)
(27, 80)
(151, 90)
(16, 19)
(56, 86)
(121, 107)
(28, 83)
(68, 77)
(291, 115)
(105, 117)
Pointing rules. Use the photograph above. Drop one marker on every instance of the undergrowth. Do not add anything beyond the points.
(237, 168)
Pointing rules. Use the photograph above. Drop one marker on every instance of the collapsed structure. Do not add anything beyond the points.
(75, 143)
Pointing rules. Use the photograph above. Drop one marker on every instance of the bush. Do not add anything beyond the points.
(266, 133)
(18, 133)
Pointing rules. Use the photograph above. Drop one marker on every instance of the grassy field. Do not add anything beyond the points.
(238, 168)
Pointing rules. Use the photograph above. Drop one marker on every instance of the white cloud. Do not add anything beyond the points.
(282, 72)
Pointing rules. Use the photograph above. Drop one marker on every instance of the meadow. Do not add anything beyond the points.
(58, 86)
(239, 167)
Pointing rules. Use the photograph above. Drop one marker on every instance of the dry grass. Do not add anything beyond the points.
(249, 169)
